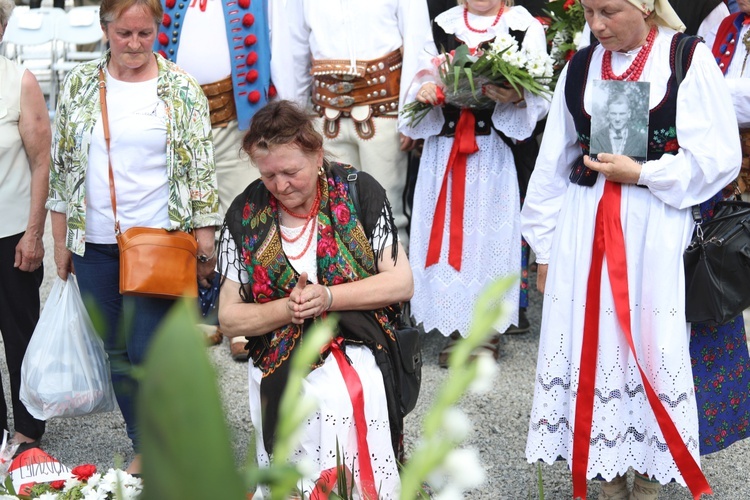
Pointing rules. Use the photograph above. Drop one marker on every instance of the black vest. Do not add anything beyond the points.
(662, 136)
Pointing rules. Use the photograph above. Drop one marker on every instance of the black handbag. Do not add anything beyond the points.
(717, 265)
(410, 373)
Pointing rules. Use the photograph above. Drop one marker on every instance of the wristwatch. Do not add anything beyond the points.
(203, 258)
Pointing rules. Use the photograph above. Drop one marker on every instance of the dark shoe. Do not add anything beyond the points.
(238, 351)
(26, 446)
(523, 324)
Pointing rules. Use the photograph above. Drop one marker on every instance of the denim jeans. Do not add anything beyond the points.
(129, 323)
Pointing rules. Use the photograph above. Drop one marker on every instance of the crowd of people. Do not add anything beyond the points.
(276, 136)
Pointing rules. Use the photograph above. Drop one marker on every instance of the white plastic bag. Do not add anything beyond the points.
(65, 371)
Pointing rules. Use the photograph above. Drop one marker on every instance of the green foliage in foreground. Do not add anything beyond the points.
(186, 446)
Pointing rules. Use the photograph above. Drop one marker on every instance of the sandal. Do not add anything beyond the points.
(445, 354)
(491, 346)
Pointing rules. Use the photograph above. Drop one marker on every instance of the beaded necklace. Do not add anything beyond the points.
(633, 73)
(310, 217)
(466, 20)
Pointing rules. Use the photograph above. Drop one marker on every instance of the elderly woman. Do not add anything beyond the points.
(162, 159)
(299, 243)
(614, 386)
(24, 170)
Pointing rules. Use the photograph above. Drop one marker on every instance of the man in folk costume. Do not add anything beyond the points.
(354, 59)
(731, 49)
(225, 45)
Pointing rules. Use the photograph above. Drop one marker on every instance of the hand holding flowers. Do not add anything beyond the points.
(478, 78)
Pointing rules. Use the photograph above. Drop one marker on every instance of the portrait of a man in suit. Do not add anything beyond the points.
(618, 135)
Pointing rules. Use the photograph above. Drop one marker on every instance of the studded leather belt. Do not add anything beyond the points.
(341, 86)
(743, 180)
(220, 97)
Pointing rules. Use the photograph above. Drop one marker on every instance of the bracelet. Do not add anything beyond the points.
(330, 297)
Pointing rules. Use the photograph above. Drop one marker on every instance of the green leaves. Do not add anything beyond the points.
(185, 441)
(436, 440)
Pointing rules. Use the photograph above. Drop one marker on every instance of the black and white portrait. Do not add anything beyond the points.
(619, 119)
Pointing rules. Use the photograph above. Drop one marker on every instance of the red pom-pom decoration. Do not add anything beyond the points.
(253, 96)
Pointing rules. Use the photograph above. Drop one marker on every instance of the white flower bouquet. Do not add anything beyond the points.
(464, 72)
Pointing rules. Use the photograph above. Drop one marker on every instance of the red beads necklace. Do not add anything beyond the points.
(310, 217)
(497, 18)
(633, 73)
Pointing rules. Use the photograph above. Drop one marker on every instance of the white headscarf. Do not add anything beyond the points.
(665, 14)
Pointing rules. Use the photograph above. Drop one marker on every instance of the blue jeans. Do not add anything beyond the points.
(129, 323)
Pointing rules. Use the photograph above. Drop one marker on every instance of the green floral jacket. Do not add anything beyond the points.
(191, 171)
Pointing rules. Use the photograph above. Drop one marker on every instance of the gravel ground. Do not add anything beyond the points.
(500, 421)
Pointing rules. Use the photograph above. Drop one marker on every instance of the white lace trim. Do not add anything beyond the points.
(452, 22)
(443, 297)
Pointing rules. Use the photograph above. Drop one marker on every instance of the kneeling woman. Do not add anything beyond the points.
(295, 245)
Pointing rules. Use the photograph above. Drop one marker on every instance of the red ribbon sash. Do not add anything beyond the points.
(354, 387)
(609, 240)
(327, 481)
(464, 144)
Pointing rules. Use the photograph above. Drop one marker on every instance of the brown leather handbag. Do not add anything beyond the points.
(154, 262)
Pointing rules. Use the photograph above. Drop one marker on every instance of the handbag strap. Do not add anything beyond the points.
(698, 219)
(105, 124)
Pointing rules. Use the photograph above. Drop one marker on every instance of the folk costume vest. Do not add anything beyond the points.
(662, 134)
(727, 38)
(249, 47)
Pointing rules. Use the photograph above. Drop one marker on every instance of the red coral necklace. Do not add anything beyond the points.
(633, 73)
(466, 20)
(309, 217)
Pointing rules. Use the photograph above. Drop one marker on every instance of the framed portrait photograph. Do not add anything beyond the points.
(619, 119)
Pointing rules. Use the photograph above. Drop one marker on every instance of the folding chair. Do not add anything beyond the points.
(29, 40)
(79, 27)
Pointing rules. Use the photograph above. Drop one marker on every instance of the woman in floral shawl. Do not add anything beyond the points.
(295, 245)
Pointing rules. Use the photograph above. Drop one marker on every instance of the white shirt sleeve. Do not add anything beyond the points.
(709, 157)
(549, 182)
(708, 28)
(290, 51)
